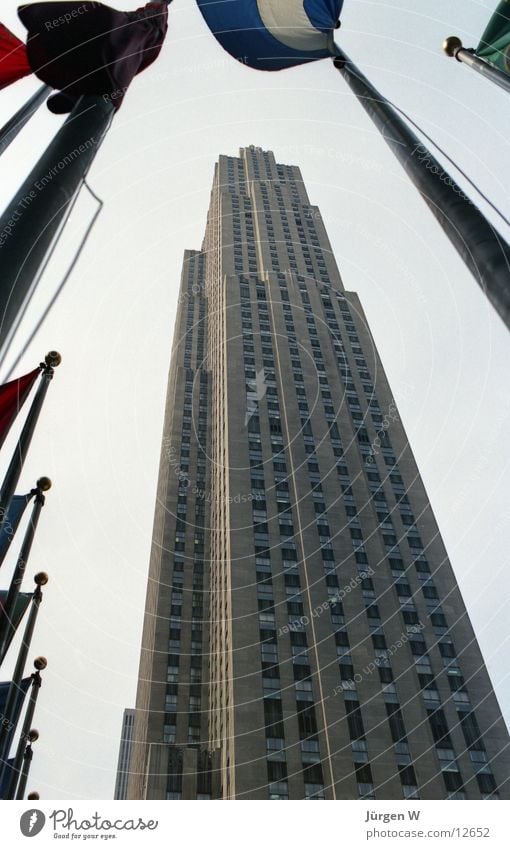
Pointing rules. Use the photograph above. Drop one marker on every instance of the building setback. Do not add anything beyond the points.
(304, 635)
(126, 739)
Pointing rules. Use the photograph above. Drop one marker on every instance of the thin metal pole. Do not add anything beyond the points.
(480, 246)
(7, 626)
(10, 705)
(25, 735)
(452, 46)
(33, 217)
(14, 125)
(18, 458)
(27, 762)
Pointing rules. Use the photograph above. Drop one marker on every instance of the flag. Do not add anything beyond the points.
(495, 43)
(271, 35)
(11, 722)
(20, 607)
(89, 48)
(5, 781)
(12, 520)
(12, 397)
(13, 58)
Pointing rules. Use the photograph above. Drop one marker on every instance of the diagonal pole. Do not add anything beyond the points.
(27, 733)
(483, 250)
(7, 625)
(7, 489)
(5, 731)
(32, 220)
(14, 125)
(452, 46)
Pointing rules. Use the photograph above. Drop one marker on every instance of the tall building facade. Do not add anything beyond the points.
(304, 635)
(126, 740)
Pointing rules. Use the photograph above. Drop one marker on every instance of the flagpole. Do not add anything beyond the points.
(453, 47)
(7, 614)
(52, 360)
(32, 219)
(26, 731)
(14, 125)
(27, 762)
(482, 249)
(40, 580)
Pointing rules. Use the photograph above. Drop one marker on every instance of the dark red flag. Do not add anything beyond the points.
(12, 397)
(89, 48)
(14, 62)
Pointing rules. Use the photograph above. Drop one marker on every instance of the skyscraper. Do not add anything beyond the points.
(304, 635)
(126, 739)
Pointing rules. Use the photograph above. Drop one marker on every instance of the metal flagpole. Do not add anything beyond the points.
(453, 47)
(40, 579)
(52, 360)
(26, 732)
(6, 615)
(483, 250)
(33, 217)
(14, 125)
(27, 761)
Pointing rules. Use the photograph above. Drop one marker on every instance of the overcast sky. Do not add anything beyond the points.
(445, 352)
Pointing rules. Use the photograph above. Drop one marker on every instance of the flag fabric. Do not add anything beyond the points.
(14, 62)
(89, 48)
(20, 608)
(11, 722)
(495, 43)
(12, 397)
(12, 520)
(5, 781)
(271, 35)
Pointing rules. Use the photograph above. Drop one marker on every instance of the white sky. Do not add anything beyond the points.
(446, 354)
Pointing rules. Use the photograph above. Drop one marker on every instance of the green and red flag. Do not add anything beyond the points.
(494, 46)
(12, 397)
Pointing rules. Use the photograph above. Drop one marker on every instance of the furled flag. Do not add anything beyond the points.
(12, 520)
(14, 62)
(5, 781)
(89, 48)
(22, 603)
(271, 35)
(11, 721)
(495, 43)
(12, 397)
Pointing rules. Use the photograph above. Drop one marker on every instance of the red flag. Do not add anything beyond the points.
(13, 58)
(12, 397)
(89, 48)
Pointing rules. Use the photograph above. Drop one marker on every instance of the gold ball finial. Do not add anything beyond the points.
(40, 663)
(451, 45)
(41, 579)
(44, 483)
(33, 735)
(53, 359)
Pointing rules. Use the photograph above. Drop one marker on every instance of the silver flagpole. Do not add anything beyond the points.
(481, 247)
(453, 47)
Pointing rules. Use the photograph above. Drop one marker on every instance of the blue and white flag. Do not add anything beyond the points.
(271, 35)
(12, 520)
